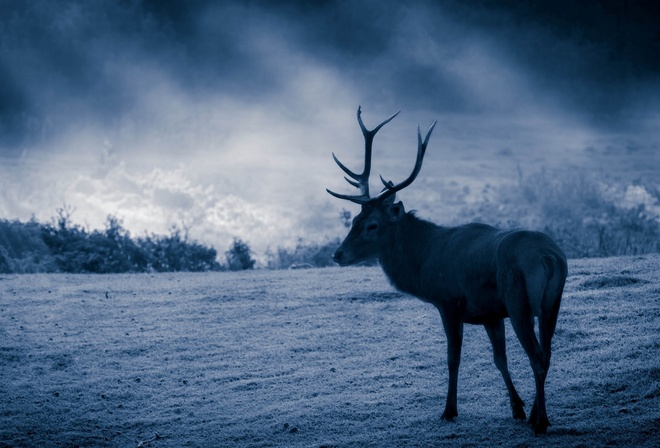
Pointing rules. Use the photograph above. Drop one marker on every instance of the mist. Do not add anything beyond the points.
(222, 116)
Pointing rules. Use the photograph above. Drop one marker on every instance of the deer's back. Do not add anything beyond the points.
(461, 267)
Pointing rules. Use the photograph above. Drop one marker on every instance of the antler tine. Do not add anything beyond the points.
(357, 199)
(365, 131)
(345, 169)
(363, 178)
(390, 188)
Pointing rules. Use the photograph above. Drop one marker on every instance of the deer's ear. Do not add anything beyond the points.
(396, 211)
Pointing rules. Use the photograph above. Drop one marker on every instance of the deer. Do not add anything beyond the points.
(473, 274)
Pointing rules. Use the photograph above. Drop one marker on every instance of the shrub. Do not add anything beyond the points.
(304, 253)
(176, 253)
(22, 249)
(239, 256)
(61, 246)
(587, 217)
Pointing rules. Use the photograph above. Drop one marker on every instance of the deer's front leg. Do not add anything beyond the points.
(454, 331)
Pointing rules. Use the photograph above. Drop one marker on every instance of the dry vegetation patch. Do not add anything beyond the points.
(321, 357)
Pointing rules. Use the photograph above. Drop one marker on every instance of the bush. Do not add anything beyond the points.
(239, 256)
(587, 217)
(64, 247)
(312, 254)
(22, 249)
(176, 253)
(76, 250)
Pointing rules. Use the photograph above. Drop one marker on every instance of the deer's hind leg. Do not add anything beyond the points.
(522, 321)
(496, 334)
(550, 305)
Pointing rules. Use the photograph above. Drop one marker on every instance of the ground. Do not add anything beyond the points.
(318, 357)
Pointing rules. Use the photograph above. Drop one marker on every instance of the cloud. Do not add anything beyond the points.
(66, 63)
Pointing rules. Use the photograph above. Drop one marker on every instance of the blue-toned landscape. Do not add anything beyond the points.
(166, 238)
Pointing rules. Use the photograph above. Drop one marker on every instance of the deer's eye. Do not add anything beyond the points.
(371, 227)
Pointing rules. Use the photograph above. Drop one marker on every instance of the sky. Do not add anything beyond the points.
(221, 117)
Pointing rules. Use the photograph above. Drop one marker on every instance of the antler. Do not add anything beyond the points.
(390, 188)
(363, 178)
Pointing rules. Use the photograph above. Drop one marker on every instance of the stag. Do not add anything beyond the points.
(474, 274)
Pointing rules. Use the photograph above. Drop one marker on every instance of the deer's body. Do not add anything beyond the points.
(465, 269)
(473, 274)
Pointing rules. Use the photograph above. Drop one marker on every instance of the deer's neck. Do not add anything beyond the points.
(405, 253)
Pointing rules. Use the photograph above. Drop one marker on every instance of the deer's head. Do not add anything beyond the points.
(372, 228)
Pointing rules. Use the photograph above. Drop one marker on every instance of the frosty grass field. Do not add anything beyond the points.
(322, 357)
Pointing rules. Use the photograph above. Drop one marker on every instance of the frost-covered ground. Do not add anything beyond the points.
(327, 357)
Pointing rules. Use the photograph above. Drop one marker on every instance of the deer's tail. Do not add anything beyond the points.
(556, 270)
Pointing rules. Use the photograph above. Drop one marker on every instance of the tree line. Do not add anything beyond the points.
(61, 246)
(583, 213)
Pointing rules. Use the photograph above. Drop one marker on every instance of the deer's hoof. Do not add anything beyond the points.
(540, 426)
(449, 415)
(519, 411)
